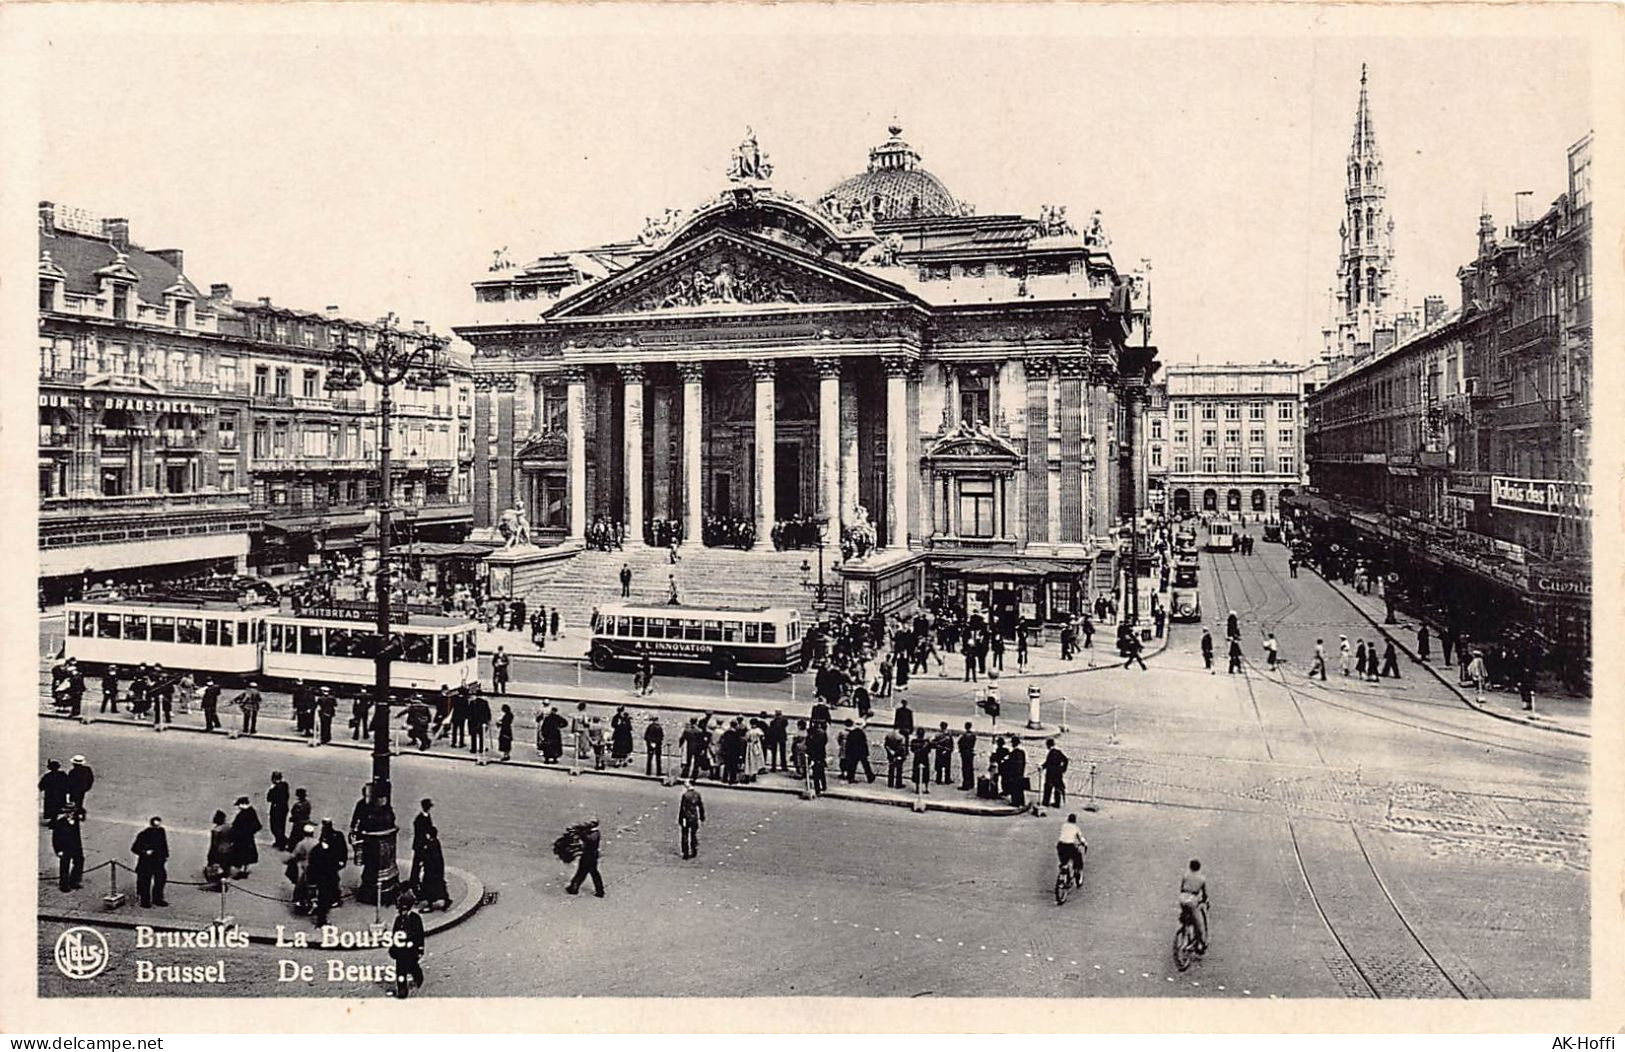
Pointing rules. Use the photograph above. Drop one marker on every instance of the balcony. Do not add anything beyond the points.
(1528, 334)
(1578, 317)
(263, 399)
(55, 438)
(50, 374)
(140, 503)
(203, 387)
(179, 440)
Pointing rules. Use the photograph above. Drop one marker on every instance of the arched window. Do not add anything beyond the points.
(1182, 501)
(1371, 284)
(1259, 501)
(1210, 500)
(1232, 500)
(1370, 173)
(1354, 175)
(1354, 292)
(1370, 225)
(1356, 231)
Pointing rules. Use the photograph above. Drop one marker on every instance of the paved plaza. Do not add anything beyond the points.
(1363, 840)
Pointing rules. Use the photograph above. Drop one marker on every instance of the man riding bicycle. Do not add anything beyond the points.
(1193, 903)
(1070, 846)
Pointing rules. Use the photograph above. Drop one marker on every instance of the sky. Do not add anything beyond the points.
(374, 163)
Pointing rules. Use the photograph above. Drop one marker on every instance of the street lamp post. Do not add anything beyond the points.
(416, 360)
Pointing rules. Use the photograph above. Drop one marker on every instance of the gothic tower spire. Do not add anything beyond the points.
(1365, 277)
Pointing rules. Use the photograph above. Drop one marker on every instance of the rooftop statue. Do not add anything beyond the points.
(884, 253)
(1096, 236)
(749, 162)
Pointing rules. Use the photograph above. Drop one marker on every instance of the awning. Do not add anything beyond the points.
(989, 567)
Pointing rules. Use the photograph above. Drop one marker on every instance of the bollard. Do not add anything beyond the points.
(918, 805)
(1092, 805)
(793, 678)
(1035, 698)
(114, 897)
(667, 755)
(578, 673)
(1063, 726)
(1113, 739)
(725, 692)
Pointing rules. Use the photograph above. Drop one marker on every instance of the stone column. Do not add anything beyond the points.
(1101, 409)
(850, 470)
(1074, 522)
(829, 442)
(575, 423)
(483, 516)
(765, 370)
(1038, 370)
(897, 476)
(538, 402)
(506, 384)
(632, 377)
(693, 374)
(662, 504)
(951, 393)
(1001, 515)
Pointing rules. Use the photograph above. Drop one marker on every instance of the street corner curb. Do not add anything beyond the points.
(461, 911)
(1466, 700)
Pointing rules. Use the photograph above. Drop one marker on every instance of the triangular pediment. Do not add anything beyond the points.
(726, 272)
(967, 442)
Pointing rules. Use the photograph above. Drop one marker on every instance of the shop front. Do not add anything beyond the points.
(1007, 591)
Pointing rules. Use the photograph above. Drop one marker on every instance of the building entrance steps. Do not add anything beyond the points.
(705, 577)
(1553, 711)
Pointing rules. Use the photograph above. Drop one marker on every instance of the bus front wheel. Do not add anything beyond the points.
(600, 658)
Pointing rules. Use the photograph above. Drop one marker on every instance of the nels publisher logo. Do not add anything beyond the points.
(81, 953)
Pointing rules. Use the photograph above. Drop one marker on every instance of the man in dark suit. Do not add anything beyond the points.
(818, 755)
(69, 847)
(857, 753)
(778, 735)
(1014, 770)
(587, 862)
(276, 800)
(903, 719)
(423, 831)
(151, 850)
(967, 759)
(690, 813)
(1055, 765)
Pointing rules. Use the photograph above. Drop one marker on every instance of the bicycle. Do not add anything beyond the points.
(1185, 949)
(1068, 876)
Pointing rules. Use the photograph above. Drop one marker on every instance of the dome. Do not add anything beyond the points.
(894, 187)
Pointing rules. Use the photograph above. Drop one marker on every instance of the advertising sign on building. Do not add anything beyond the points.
(1571, 500)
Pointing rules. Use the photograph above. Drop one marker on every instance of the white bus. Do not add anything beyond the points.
(761, 641)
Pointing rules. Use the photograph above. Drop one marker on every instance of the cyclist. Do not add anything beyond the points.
(1192, 899)
(1070, 846)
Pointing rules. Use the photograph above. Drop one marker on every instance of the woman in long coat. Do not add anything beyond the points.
(505, 732)
(431, 884)
(621, 736)
(244, 825)
(1359, 660)
(219, 857)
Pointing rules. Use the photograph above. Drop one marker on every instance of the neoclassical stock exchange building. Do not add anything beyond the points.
(969, 385)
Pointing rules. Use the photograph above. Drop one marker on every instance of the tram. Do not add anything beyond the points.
(237, 642)
(1185, 598)
(757, 641)
(1221, 535)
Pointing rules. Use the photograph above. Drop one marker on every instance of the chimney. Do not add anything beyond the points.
(265, 301)
(333, 309)
(47, 218)
(172, 256)
(220, 291)
(118, 232)
(420, 327)
(1432, 310)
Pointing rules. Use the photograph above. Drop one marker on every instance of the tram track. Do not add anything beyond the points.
(1387, 955)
